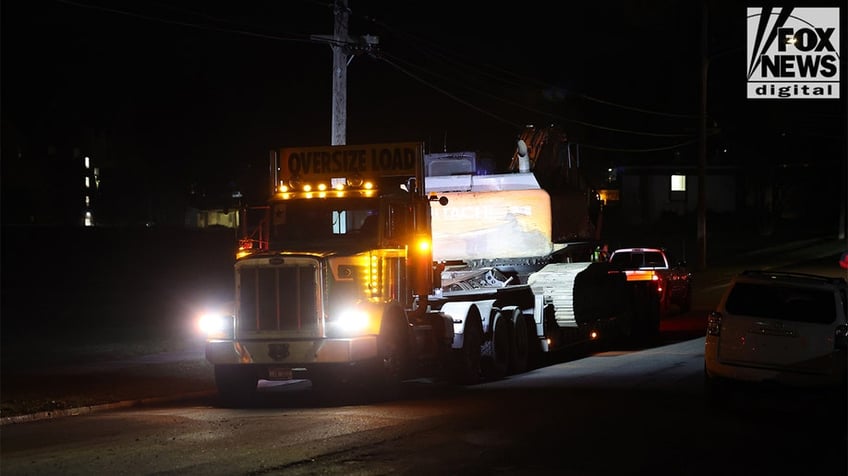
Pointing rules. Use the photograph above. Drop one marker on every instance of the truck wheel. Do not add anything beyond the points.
(466, 365)
(393, 347)
(236, 384)
(495, 351)
(520, 343)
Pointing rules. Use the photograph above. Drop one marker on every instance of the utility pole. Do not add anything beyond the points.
(843, 195)
(702, 145)
(344, 48)
(341, 54)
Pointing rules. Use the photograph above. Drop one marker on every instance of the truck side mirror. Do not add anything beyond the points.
(442, 200)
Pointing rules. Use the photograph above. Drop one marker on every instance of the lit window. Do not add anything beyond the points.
(678, 193)
(339, 222)
(678, 183)
(87, 182)
(87, 162)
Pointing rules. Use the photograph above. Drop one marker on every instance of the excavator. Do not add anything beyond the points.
(576, 208)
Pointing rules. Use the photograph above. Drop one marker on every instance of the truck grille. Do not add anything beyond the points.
(278, 298)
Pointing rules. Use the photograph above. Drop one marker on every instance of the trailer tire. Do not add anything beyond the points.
(495, 353)
(466, 361)
(519, 357)
(236, 384)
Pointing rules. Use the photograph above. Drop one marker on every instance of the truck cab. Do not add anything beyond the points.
(341, 277)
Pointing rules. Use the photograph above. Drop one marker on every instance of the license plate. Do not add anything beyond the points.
(278, 373)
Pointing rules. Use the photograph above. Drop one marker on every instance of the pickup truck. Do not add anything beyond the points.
(673, 280)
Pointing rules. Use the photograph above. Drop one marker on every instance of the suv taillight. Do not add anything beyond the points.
(840, 338)
(714, 323)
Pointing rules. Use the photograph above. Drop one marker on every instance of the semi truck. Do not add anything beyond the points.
(368, 271)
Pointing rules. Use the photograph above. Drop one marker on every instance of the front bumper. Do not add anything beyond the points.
(832, 371)
(292, 353)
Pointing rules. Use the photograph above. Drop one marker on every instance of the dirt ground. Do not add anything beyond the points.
(85, 313)
(80, 375)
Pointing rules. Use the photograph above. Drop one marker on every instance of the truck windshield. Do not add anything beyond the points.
(311, 222)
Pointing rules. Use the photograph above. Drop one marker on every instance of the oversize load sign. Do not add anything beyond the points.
(372, 160)
(793, 53)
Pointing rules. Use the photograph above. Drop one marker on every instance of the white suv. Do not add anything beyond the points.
(785, 328)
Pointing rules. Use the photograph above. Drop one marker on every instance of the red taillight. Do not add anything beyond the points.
(714, 323)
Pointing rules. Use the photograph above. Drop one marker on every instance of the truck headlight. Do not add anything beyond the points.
(216, 325)
(352, 322)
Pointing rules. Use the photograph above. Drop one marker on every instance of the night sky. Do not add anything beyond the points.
(174, 95)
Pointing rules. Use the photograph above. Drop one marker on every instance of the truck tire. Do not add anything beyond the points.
(495, 353)
(466, 361)
(393, 364)
(236, 384)
(519, 357)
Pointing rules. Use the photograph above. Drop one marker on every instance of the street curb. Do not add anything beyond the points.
(85, 410)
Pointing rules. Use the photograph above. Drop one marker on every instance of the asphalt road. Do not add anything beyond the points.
(620, 411)
(94, 377)
(630, 412)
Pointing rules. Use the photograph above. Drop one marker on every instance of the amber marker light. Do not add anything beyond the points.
(423, 244)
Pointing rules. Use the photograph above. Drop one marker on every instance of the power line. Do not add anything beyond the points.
(394, 62)
(455, 98)
(464, 64)
(527, 108)
(500, 73)
(292, 37)
(641, 150)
